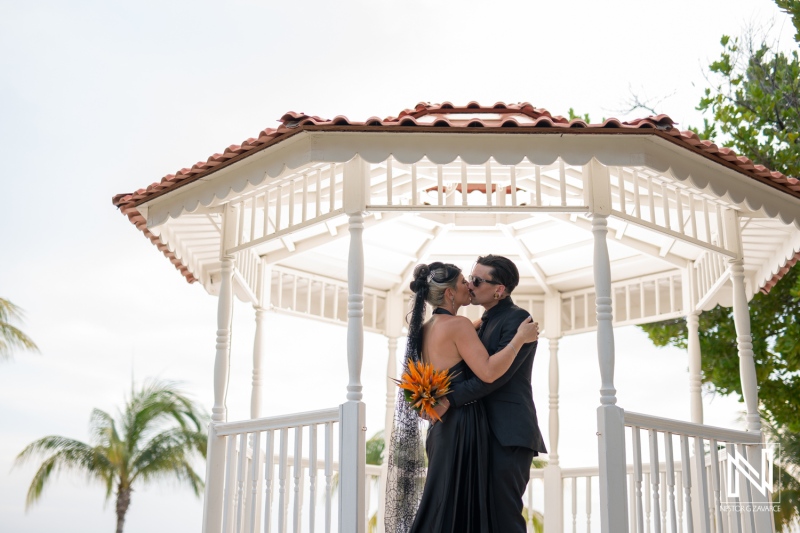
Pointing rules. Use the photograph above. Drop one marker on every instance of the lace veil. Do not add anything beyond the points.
(406, 460)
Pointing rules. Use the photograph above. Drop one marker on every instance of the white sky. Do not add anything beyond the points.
(98, 98)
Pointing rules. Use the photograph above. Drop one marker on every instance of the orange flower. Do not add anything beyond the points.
(423, 387)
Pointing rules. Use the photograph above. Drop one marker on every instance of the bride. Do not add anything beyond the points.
(456, 497)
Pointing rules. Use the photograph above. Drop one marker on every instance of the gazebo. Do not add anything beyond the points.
(610, 224)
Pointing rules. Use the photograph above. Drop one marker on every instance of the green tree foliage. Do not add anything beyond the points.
(755, 100)
(157, 435)
(11, 337)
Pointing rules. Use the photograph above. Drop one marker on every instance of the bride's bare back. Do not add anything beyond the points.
(447, 339)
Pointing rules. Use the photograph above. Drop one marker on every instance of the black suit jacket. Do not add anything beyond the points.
(509, 399)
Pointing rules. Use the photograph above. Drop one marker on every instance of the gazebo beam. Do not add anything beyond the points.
(635, 244)
(316, 241)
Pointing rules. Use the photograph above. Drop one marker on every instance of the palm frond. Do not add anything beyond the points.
(12, 337)
(67, 454)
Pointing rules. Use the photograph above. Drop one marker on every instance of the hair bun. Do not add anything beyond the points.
(420, 282)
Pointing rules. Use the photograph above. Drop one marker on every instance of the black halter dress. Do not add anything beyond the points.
(456, 497)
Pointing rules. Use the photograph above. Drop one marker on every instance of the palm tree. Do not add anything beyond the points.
(156, 436)
(10, 336)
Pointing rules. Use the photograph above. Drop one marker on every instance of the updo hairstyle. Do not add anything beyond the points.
(430, 281)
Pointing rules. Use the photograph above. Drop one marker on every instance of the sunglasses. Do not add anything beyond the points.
(476, 281)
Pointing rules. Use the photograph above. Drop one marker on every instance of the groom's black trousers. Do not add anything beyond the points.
(510, 469)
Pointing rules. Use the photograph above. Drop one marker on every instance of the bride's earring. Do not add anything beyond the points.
(453, 302)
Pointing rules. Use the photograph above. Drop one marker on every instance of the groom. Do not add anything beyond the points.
(515, 437)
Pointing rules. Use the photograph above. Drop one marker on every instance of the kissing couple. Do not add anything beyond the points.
(480, 454)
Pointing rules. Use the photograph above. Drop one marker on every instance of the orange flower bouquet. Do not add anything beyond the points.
(423, 387)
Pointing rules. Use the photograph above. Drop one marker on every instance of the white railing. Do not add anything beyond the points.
(709, 273)
(488, 187)
(300, 293)
(290, 202)
(654, 500)
(278, 471)
(635, 301)
(650, 200)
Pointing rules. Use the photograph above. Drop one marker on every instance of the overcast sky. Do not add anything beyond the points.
(99, 98)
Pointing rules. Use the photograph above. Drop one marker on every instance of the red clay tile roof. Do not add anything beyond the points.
(434, 117)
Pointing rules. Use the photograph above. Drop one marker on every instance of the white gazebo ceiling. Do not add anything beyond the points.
(458, 183)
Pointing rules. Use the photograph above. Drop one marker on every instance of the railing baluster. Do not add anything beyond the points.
(332, 190)
(414, 191)
(665, 205)
(269, 474)
(672, 306)
(297, 459)
(686, 472)
(318, 193)
(627, 302)
(254, 471)
(715, 485)
(658, 296)
(588, 504)
(328, 474)
(389, 184)
(647, 504)
(679, 499)
(283, 497)
(663, 476)
(464, 184)
(487, 171)
(651, 201)
(693, 214)
(572, 324)
(636, 444)
(734, 518)
(748, 520)
(252, 228)
(679, 204)
(537, 176)
(267, 196)
(513, 185)
(707, 221)
(702, 486)
(304, 207)
(586, 310)
(670, 479)
(637, 199)
(240, 472)
(230, 484)
(575, 504)
(562, 181)
(654, 479)
(621, 186)
(439, 185)
(642, 300)
(278, 208)
(312, 477)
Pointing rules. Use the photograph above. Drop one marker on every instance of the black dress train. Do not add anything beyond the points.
(457, 493)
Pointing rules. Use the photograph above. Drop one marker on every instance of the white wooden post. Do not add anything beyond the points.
(553, 482)
(352, 449)
(215, 466)
(260, 342)
(747, 366)
(695, 384)
(610, 417)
